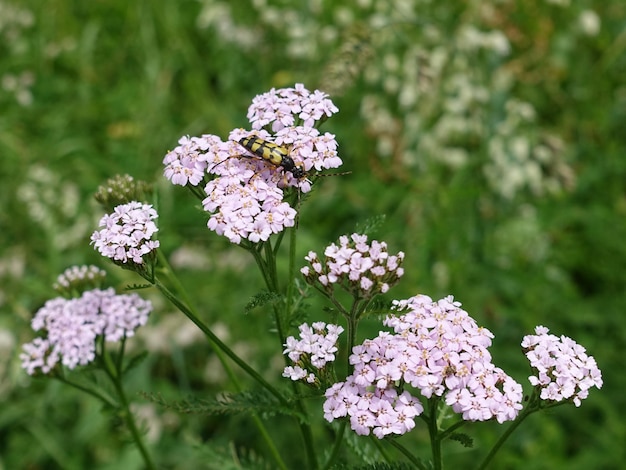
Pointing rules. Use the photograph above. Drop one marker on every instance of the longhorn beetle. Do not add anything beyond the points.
(276, 155)
(273, 153)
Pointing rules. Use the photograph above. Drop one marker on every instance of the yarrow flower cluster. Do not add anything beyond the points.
(317, 347)
(286, 107)
(187, 163)
(127, 233)
(244, 193)
(78, 278)
(361, 268)
(73, 325)
(439, 350)
(564, 370)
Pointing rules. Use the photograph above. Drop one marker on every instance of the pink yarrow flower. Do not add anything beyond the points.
(186, 164)
(71, 327)
(310, 354)
(246, 199)
(127, 233)
(563, 369)
(438, 350)
(362, 268)
(245, 193)
(78, 277)
(287, 107)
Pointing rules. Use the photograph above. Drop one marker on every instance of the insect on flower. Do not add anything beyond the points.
(277, 156)
(273, 153)
(320, 153)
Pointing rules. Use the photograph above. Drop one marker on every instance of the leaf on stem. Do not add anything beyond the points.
(246, 402)
(463, 439)
(261, 299)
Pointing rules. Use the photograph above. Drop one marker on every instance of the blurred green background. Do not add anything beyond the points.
(491, 134)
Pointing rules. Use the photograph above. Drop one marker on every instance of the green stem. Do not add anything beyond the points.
(336, 446)
(115, 375)
(132, 426)
(120, 356)
(534, 404)
(494, 450)
(113, 371)
(444, 435)
(218, 343)
(255, 251)
(268, 270)
(221, 356)
(270, 261)
(167, 270)
(305, 429)
(292, 270)
(307, 437)
(269, 441)
(88, 391)
(267, 266)
(381, 449)
(414, 460)
(352, 321)
(433, 431)
(181, 291)
(352, 327)
(279, 240)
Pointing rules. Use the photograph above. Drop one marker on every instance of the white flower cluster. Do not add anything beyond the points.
(317, 346)
(76, 276)
(361, 268)
(564, 370)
